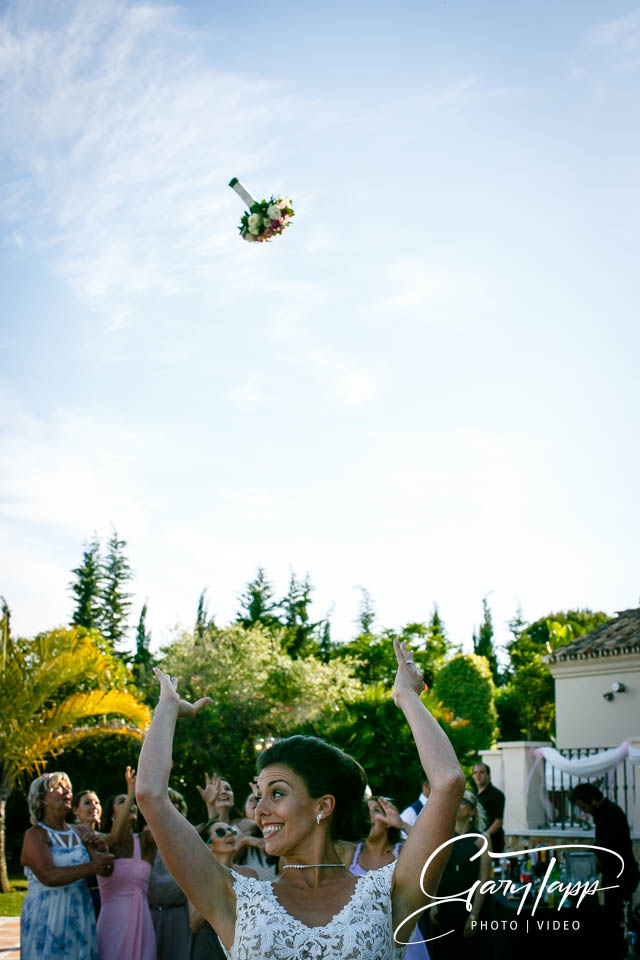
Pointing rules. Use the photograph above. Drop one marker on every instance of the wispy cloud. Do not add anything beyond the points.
(351, 383)
(121, 140)
(442, 292)
(619, 39)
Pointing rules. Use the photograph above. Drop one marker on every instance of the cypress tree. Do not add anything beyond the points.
(295, 606)
(142, 661)
(115, 601)
(87, 587)
(483, 641)
(366, 614)
(203, 620)
(257, 604)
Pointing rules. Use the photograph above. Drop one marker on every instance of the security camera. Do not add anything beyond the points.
(608, 695)
(618, 687)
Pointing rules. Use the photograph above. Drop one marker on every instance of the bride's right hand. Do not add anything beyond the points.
(169, 693)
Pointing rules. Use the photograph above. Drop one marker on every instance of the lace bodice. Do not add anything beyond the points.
(362, 930)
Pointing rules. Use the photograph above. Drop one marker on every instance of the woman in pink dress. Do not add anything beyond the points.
(125, 927)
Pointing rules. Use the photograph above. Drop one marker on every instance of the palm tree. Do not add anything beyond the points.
(56, 689)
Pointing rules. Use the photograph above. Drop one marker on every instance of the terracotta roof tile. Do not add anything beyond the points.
(615, 637)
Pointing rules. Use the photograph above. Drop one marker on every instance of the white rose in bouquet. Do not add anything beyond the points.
(274, 211)
(254, 220)
(250, 237)
(254, 229)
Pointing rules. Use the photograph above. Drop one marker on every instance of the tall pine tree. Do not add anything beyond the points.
(325, 643)
(203, 620)
(366, 614)
(299, 631)
(483, 641)
(257, 604)
(115, 601)
(87, 587)
(436, 646)
(142, 660)
(5, 629)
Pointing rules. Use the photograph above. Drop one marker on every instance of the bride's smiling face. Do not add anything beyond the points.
(285, 812)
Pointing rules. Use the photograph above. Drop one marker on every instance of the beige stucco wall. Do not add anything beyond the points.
(583, 717)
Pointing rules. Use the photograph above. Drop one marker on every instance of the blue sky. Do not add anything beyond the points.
(428, 386)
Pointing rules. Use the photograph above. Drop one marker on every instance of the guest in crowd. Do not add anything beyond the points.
(492, 801)
(222, 841)
(57, 918)
(411, 813)
(460, 873)
(125, 928)
(218, 797)
(87, 812)
(250, 852)
(251, 803)
(382, 843)
(168, 903)
(612, 832)
(250, 845)
(381, 846)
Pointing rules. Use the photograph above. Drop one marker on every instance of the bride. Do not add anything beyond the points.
(309, 792)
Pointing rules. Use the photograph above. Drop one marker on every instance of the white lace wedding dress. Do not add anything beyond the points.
(362, 930)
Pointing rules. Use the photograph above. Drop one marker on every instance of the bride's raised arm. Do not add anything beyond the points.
(435, 823)
(206, 883)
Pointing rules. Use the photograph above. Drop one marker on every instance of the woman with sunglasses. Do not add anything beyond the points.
(310, 795)
(222, 841)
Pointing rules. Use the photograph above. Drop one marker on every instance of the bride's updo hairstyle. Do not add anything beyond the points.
(326, 769)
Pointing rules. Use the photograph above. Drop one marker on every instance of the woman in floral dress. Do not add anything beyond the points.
(57, 918)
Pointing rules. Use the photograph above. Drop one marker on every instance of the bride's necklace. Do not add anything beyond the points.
(304, 866)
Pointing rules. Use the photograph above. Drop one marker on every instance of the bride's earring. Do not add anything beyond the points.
(318, 819)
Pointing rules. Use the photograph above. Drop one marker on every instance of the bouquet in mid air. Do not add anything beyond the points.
(265, 218)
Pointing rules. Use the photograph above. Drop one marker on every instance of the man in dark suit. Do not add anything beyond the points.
(492, 800)
(612, 832)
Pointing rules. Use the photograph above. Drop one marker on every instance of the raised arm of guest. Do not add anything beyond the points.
(118, 828)
(391, 816)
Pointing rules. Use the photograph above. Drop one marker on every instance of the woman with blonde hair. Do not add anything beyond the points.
(57, 918)
(460, 873)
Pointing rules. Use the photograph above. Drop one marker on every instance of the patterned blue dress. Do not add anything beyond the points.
(59, 922)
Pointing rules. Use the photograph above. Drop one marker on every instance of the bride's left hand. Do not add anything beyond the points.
(409, 678)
